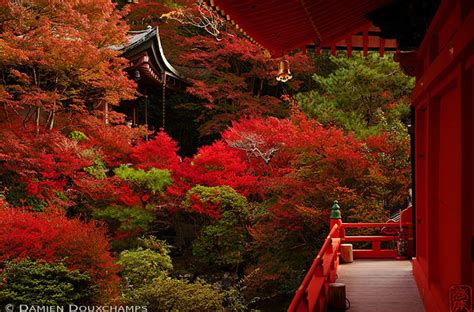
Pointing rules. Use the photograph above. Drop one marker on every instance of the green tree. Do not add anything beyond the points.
(154, 180)
(223, 241)
(364, 95)
(146, 271)
(38, 283)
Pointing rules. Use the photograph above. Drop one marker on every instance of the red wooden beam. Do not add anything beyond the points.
(367, 254)
(297, 22)
(446, 57)
(375, 225)
(349, 46)
(386, 238)
(366, 43)
(382, 47)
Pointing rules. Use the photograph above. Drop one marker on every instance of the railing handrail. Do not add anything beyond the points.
(318, 258)
(374, 225)
(317, 262)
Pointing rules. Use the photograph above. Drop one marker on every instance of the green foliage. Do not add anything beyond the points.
(30, 282)
(142, 266)
(177, 295)
(126, 218)
(77, 136)
(225, 196)
(152, 243)
(364, 95)
(98, 169)
(234, 299)
(20, 199)
(222, 243)
(156, 180)
(146, 270)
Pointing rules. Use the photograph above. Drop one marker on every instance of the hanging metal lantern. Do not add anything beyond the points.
(136, 75)
(284, 73)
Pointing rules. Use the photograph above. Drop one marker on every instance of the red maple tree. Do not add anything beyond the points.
(55, 238)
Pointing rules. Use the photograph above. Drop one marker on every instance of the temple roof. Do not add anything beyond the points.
(145, 53)
(284, 25)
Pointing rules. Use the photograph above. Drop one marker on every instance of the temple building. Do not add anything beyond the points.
(153, 73)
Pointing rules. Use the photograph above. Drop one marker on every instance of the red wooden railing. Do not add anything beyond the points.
(313, 292)
(376, 251)
(311, 295)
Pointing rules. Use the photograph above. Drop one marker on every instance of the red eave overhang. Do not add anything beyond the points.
(284, 25)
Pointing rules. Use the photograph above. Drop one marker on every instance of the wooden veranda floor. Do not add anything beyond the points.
(380, 286)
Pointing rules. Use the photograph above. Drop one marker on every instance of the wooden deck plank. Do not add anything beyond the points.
(380, 286)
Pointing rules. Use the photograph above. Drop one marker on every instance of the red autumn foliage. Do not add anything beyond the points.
(219, 164)
(45, 163)
(159, 152)
(50, 163)
(148, 12)
(296, 162)
(231, 76)
(208, 208)
(115, 141)
(55, 57)
(55, 238)
(104, 192)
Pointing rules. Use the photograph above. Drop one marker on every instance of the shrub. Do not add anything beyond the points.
(97, 169)
(77, 136)
(211, 200)
(146, 270)
(126, 219)
(155, 180)
(141, 266)
(177, 295)
(39, 283)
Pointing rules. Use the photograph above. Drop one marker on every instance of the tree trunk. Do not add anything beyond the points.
(38, 113)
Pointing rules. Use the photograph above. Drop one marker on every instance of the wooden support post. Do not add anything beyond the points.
(134, 114)
(347, 253)
(349, 46)
(337, 296)
(365, 44)
(382, 47)
(376, 246)
(146, 117)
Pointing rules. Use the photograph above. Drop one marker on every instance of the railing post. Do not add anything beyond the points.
(336, 218)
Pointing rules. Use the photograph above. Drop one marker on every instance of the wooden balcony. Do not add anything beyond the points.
(380, 286)
(379, 280)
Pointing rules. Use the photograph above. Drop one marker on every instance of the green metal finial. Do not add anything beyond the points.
(335, 211)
